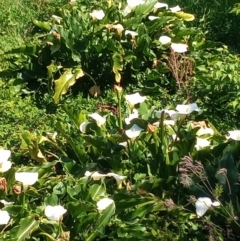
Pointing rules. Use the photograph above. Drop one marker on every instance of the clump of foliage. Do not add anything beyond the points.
(124, 168)
(215, 19)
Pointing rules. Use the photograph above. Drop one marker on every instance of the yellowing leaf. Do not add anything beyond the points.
(78, 73)
(65, 82)
(185, 16)
(117, 66)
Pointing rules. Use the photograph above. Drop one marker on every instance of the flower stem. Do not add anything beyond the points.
(119, 97)
(48, 235)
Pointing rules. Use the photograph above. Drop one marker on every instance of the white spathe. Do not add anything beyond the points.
(203, 204)
(97, 14)
(126, 10)
(118, 27)
(104, 203)
(235, 135)
(124, 144)
(169, 122)
(151, 18)
(135, 98)
(4, 155)
(165, 122)
(131, 116)
(117, 177)
(5, 166)
(57, 18)
(134, 131)
(205, 131)
(83, 126)
(175, 9)
(201, 143)
(188, 109)
(99, 119)
(4, 217)
(132, 33)
(165, 39)
(5, 203)
(160, 5)
(54, 213)
(179, 48)
(95, 175)
(27, 178)
(134, 3)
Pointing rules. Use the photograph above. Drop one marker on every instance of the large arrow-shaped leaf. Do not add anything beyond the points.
(144, 9)
(27, 226)
(65, 82)
(103, 221)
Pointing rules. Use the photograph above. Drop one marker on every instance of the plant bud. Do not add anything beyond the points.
(16, 189)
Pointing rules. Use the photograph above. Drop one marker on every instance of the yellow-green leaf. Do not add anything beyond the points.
(185, 16)
(117, 66)
(64, 83)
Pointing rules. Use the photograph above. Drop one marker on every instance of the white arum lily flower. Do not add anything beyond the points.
(134, 3)
(99, 119)
(4, 217)
(5, 164)
(165, 122)
(5, 203)
(118, 27)
(160, 5)
(171, 113)
(104, 203)
(205, 131)
(179, 48)
(169, 122)
(123, 143)
(175, 9)
(117, 177)
(27, 178)
(203, 204)
(83, 126)
(134, 131)
(184, 110)
(97, 14)
(132, 33)
(151, 18)
(127, 10)
(135, 98)
(235, 135)
(165, 40)
(95, 175)
(4, 155)
(52, 135)
(175, 137)
(131, 116)
(201, 143)
(54, 213)
(57, 18)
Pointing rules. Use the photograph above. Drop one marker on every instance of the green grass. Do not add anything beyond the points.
(16, 19)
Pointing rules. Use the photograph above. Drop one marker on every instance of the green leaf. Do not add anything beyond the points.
(51, 199)
(96, 191)
(144, 9)
(27, 226)
(43, 25)
(103, 221)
